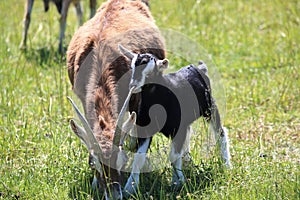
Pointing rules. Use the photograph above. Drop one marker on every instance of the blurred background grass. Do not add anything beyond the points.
(255, 48)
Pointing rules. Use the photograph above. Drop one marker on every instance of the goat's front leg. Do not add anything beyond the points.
(63, 18)
(138, 163)
(221, 136)
(27, 17)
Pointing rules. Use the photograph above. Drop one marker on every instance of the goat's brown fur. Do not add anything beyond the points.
(94, 47)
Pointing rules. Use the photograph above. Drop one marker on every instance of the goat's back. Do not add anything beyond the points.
(95, 64)
(117, 21)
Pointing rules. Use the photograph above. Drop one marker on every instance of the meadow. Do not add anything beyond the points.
(253, 45)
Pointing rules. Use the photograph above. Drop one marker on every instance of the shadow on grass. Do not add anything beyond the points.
(199, 178)
(156, 185)
(82, 189)
(44, 56)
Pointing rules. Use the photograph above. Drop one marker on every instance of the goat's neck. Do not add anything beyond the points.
(156, 77)
(154, 80)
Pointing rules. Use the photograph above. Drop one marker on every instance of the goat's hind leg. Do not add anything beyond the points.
(221, 135)
(176, 162)
(179, 151)
(186, 156)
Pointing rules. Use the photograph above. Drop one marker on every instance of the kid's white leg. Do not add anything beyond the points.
(138, 163)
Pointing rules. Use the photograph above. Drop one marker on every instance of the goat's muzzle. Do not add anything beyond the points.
(114, 191)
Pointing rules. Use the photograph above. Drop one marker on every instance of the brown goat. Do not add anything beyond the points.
(62, 7)
(96, 68)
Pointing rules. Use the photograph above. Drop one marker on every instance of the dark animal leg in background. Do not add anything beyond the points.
(27, 18)
(93, 4)
(63, 18)
(46, 5)
(78, 12)
(58, 6)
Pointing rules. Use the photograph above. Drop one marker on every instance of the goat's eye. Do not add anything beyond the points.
(144, 61)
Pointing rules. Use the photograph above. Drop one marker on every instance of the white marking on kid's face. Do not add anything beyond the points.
(132, 81)
(133, 62)
(138, 80)
(149, 67)
(144, 73)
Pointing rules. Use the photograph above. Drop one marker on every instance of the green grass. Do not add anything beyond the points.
(255, 46)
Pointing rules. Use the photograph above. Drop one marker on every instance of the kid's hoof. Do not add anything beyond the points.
(129, 190)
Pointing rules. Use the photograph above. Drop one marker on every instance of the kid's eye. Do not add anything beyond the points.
(144, 61)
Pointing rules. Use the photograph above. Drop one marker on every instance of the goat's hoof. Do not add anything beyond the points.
(95, 184)
(228, 165)
(127, 194)
(114, 191)
(187, 160)
(129, 190)
(177, 185)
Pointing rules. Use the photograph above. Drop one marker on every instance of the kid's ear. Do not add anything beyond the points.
(162, 64)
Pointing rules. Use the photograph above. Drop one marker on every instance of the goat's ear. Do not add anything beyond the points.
(162, 64)
(126, 52)
(80, 132)
(128, 125)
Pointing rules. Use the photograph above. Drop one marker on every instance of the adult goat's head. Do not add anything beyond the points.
(143, 66)
(97, 160)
